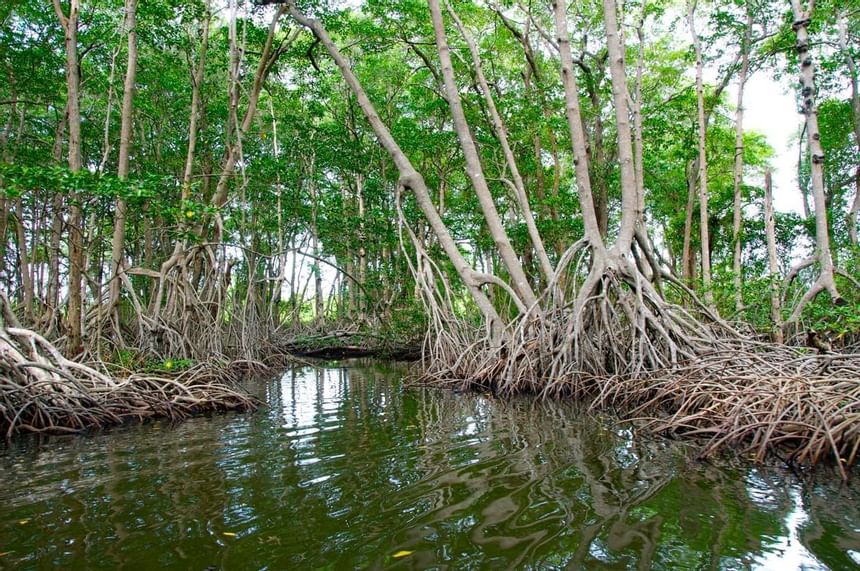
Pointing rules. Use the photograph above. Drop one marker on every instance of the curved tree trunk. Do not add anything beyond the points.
(409, 177)
(772, 260)
(842, 23)
(473, 165)
(574, 123)
(502, 134)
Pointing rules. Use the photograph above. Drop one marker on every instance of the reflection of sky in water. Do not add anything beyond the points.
(787, 552)
(346, 468)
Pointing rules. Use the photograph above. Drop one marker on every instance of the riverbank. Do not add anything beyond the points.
(755, 399)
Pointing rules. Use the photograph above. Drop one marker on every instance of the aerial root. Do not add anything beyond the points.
(619, 346)
(42, 391)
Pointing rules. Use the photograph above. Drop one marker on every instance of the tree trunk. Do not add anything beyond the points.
(409, 177)
(264, 66)
(76, 251)
(688, 259)
(737, 221)
(630, 214)
(598, 156)
(502, 134)
(24, 262)
(772, 260)
(118, 239)
(362, 248)
(574, 123)
(473, 165)
(703, 160)
(809, 107)
(638, 155)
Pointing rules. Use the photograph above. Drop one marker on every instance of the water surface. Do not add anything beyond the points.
(348, 469)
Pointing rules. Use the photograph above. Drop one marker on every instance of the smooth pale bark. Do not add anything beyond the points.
(638, 144)
(502, 134)
(196, 82)
(703, 159)
(630, 214)
(804, 193)
(69, 24)
(52, 298)
(474, 170)
(534, 83)
(809, 107)
(106, 144)
(409, 177)
(842, 23)
(597, 162)
(772, 260)
(855, 208)
(737, 220)
(573, 114)
(197, 74)
(264, 66)
(7, 158)
(126, 128)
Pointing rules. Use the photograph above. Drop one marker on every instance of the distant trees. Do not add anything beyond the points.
(562, 167)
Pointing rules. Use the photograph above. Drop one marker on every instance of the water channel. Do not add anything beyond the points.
(346, 468)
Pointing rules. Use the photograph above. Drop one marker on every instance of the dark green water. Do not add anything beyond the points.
(346, 469)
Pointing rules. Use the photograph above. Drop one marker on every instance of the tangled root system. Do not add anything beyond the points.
(673, 369)
(42, 391)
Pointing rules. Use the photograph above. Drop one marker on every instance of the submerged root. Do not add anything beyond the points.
(619, 345)
(42, 391)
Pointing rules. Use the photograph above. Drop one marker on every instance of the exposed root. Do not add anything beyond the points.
(42, 391)
(618, 344)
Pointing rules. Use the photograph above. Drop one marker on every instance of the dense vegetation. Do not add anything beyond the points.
(553, 193)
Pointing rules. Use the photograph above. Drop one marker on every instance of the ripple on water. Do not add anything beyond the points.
(346, 468)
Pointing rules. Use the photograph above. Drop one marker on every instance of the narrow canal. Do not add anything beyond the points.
(346, 469)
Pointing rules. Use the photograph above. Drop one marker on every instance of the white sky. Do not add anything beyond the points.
(772, 112)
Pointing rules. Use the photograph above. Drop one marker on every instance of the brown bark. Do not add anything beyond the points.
(126, 127)
(76, 251)
(772, 260)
